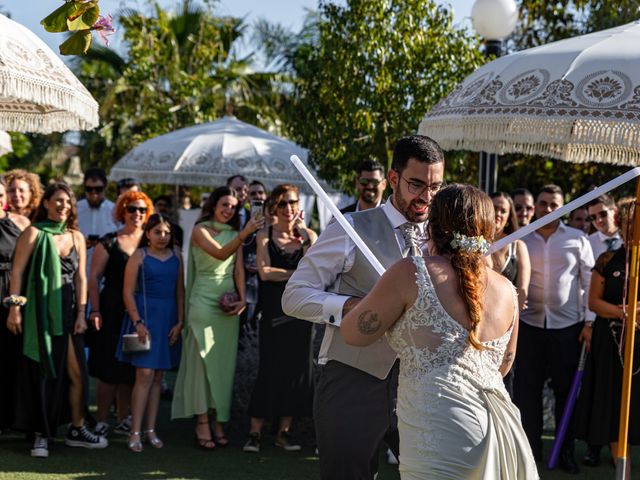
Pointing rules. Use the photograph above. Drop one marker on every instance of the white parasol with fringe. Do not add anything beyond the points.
(576, 100)
(5, 143)
(38, 93)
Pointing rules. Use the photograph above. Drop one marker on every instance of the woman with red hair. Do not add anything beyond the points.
(115, 378)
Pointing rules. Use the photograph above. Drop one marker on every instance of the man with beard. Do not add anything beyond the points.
(239, 184)
(95, 212)
(523, 203)
(370, 186)
(354, 405)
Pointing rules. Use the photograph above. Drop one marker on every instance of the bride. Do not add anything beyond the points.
(455, 418)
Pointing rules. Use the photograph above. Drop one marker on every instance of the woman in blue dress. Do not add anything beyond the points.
(154, 299)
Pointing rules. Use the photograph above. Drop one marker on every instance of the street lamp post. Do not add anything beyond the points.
(493, 20)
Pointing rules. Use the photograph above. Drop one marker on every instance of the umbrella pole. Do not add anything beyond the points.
(629, 342)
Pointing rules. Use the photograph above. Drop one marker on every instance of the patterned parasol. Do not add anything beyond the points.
(576, 100)
(38, 93)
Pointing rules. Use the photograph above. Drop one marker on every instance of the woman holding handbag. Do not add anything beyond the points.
(154, 299)
(215, 275)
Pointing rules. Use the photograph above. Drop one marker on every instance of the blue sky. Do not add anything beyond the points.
(287, 12)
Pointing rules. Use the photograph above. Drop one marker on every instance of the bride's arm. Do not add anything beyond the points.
(382, 306)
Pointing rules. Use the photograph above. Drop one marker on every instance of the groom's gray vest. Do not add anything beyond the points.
(374, 228)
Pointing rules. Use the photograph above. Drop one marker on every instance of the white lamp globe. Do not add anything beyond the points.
(494, 19)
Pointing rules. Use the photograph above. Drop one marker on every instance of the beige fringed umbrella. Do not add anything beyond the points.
(5, 143)
(576, 100)
(38, 93)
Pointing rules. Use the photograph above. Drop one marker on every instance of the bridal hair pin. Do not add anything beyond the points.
(469, 244)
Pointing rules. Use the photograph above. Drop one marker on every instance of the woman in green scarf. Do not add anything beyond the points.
(49, 273)
(210, 335)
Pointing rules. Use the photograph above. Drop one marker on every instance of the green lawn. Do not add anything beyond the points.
(180, 459)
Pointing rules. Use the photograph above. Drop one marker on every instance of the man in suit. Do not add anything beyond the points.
(370, 186)
(354, 405)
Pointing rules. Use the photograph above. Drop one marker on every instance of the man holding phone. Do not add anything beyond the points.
(95, 212)
(257, 196)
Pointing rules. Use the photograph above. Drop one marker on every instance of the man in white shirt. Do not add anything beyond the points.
(602, 213)
(95, 212)
(553, 325)
(354, 405)
(370, 186)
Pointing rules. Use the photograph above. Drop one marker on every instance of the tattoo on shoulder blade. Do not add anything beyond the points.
(368, 322)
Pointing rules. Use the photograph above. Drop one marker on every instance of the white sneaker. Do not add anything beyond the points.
(40, 447)
(391, 458)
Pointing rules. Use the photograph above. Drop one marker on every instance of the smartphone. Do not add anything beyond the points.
(257, 208)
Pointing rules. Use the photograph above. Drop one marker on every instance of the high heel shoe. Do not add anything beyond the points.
(205, 443)
(135, 445)
(154, 441)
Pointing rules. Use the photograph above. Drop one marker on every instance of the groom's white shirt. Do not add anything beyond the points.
(311, 290)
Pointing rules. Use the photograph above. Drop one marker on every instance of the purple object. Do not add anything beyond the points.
(568, 410)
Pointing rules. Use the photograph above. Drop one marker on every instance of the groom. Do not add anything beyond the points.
(354, 405)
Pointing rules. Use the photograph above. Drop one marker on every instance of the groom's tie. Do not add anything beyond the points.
(410, 234)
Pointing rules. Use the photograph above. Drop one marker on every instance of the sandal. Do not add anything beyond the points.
(221, 440)
(135, 445)
(154, 441)
(205, 443)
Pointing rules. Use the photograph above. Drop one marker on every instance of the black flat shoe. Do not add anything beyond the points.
(568, 463)
(592, 457)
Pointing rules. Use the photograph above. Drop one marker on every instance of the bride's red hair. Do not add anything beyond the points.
(469, 211)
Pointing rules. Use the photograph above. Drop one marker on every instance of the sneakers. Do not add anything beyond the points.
(40, 447)
(82, 437)
(253, 444)
(102, 429)
(124, 427)
(286, 441)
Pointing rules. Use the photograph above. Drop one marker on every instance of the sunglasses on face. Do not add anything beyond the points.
(526, 208)
(93, 189)
(284, 203)
(133, 209)
(369, 181)
(601, 214)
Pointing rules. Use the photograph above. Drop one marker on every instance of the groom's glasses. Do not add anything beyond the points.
(418, 188)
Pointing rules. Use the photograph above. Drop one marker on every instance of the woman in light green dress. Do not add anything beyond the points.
(210, 338)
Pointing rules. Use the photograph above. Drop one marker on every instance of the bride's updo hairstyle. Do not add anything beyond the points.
(465, 210)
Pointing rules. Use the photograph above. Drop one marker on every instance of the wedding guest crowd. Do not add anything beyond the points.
(244, 248)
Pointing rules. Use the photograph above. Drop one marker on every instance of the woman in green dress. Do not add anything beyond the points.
(210, 338)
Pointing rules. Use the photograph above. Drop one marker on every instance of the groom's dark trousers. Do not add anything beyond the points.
(354, 412)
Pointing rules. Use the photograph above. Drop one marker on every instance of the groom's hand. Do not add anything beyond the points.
(349, 305)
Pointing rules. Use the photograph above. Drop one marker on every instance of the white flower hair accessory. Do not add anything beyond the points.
(469, 244)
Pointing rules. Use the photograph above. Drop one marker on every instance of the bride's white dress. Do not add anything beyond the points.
(455, 417)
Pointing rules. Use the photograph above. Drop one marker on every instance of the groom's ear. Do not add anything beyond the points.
(393, 177)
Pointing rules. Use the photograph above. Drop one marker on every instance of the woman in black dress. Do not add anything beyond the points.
(49, 271)
(11, 226)
(512, 261)
(597, 413)
(115, 378)
(283, 388)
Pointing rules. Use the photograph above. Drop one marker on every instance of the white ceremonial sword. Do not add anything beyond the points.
(556, 214)
(344, 223)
